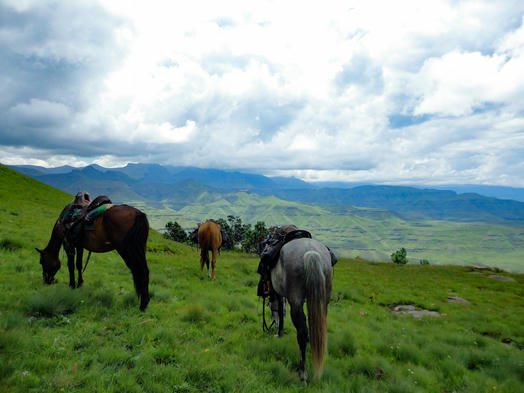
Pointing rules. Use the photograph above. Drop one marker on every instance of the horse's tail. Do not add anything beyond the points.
(316, 298)
(135, 244)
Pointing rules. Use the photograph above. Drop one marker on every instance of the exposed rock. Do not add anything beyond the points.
(481, 266)
(501, 278)
(412, 310)
(456, 299)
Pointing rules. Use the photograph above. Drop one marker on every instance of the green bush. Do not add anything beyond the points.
(175, 232)
(253, 238)
(400, 257)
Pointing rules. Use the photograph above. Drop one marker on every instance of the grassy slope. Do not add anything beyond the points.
(372, 234)
(199, 335)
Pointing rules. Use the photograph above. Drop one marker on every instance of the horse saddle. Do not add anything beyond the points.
(81, 218)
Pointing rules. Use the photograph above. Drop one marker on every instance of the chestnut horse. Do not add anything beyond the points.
(209, 239)
(121, 227)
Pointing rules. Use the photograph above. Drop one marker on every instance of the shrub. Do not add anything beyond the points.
(400, 256)
(175, 232)
(253, 238)
(424, 262)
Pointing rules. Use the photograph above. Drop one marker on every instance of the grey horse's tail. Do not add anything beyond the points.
(317, 309)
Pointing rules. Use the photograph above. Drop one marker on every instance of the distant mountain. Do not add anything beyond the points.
(32, 170)
(499, 192)
(180, 186)
(414, 203)
(222, 179)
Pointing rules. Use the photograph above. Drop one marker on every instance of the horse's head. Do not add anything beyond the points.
(50, 265)
(194, 236)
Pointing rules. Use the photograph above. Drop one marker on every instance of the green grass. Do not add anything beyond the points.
(199, 335)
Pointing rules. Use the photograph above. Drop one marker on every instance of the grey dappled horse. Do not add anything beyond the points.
(304, 273)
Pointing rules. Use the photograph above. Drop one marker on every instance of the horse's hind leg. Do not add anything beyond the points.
(204, 260)
(79, 258)
(144, 287)
(140, 272)
(213, 263)
(299, 320)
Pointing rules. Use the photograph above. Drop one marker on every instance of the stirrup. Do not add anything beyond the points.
(267, 288)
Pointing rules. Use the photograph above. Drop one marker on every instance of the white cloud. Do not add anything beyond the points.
(377, 91)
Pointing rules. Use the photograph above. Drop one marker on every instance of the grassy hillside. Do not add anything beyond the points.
(203, 336)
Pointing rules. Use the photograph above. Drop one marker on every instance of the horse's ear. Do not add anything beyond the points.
(40, 251)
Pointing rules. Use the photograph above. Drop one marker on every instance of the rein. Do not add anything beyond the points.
(87, 261)
(265, 328)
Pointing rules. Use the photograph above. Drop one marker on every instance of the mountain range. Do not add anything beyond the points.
(180, 186)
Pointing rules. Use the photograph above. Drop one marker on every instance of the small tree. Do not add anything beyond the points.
(227, 244)
(253, 237)
(175, 232)
(400, 256)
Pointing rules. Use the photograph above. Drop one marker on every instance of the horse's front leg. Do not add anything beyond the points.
(79, 258)
(299, 320)
(70, 252)
(213, 263)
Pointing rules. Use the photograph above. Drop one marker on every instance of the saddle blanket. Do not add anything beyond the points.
(93, 215)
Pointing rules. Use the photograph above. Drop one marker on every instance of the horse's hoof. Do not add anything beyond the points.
(303, 377)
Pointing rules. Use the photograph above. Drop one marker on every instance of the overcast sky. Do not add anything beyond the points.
(395, 92)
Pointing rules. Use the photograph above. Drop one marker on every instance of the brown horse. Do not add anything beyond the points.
(120, 227)
(209, 239)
